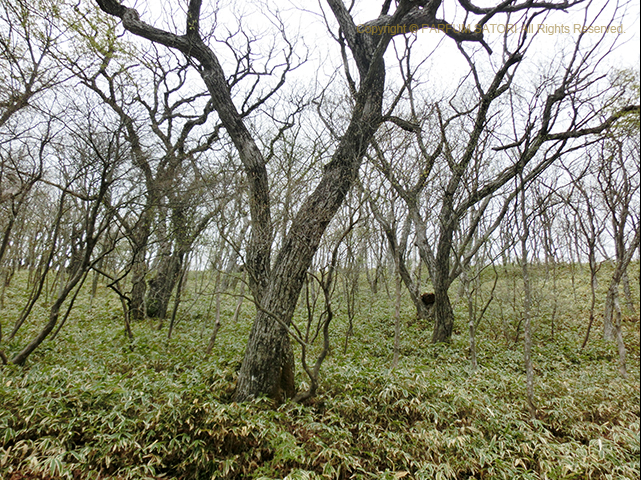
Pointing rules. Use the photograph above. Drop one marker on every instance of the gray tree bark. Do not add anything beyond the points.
(267, 368)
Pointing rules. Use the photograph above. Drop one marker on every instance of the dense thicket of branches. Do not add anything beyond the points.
(134, 158)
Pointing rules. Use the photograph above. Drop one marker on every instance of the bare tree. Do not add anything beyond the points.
(326, 279)
(164, 129)
(527, 301)
(276, 285)
(18, 176)
(95, 157)
(618, 180)
(589, 225)
(398, 248)
(28, 39)
(474, 158)
(29, 34)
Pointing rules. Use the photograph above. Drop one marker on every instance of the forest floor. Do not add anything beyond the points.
(92, 404)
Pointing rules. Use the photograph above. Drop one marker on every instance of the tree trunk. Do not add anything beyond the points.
(212, 339)
(267, 369)
(471, 317)
(264, 363)
(628, 293)
(397, 321)
(593, 287)
(443, 312)
(619, 338)
(529, 367)
(611, 302)
(54, 314)
(94, 282)
(138, 288)
(172, 261)
(397, 250)
(140, 241)
(161, 286)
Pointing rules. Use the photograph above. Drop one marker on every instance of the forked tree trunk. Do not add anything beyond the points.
(267, 367)
(175, 249)
(266, 360)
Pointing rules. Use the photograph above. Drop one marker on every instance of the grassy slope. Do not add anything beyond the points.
(89, 406)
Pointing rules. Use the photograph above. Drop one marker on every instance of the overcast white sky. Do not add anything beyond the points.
(305, 25)
(304, 17)
(444, 56)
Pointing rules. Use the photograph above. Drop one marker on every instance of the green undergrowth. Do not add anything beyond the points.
(92, 405)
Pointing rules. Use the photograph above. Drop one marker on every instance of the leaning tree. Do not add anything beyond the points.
(267, 368)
